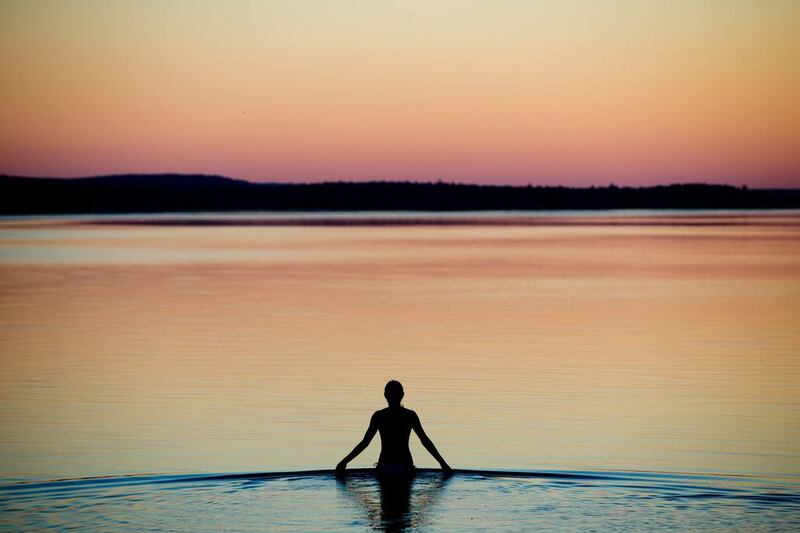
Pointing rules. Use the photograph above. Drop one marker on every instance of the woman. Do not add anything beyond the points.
(394, 424)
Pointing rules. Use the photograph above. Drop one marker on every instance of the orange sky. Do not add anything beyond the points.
(573, 92)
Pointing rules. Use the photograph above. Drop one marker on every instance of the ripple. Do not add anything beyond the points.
(317, 499)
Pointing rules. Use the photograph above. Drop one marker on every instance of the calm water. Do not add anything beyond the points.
(248, 343)
(551, 501)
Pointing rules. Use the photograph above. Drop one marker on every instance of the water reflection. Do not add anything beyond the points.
(473, 501)
(394, 503)
(631, 344)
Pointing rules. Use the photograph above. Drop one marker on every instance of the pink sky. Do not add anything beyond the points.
(574, 93)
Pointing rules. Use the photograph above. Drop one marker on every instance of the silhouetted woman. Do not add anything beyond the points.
(394, 424)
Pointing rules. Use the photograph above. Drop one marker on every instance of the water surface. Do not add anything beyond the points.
(239, 343)
(468, 500)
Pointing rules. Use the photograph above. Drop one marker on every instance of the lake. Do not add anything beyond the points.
(589, 344)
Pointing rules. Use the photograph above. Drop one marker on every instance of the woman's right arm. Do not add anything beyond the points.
(361, 446)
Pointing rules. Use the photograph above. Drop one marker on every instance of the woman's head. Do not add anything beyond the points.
(393, 392)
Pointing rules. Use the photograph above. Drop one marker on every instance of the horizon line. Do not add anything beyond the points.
(345, 181)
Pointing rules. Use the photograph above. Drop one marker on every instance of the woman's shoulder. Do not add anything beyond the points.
(394, 411)
(409, 413)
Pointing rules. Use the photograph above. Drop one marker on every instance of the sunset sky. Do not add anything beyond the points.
(502, 91)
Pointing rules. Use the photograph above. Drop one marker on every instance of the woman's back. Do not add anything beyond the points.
(394, 425)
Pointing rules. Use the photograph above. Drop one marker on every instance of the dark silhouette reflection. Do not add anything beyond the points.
(394, 502)
(394, 424)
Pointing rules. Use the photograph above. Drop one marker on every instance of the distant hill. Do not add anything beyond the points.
(178, 192)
